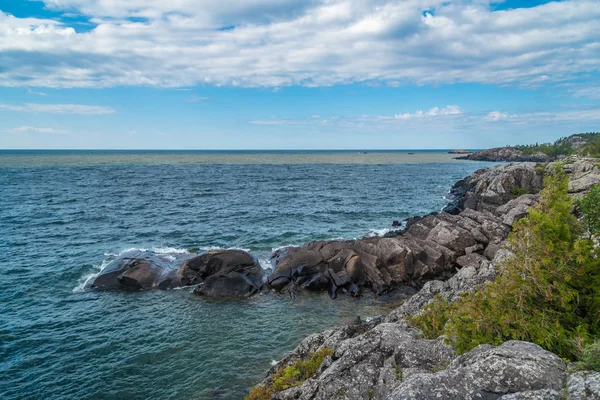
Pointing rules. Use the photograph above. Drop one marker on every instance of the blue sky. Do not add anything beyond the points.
(291, 74)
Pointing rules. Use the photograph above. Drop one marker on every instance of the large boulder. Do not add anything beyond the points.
(133, 271)
(223, 273)
(489, 372)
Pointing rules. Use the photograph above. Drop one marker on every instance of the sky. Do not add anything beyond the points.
(296, 74)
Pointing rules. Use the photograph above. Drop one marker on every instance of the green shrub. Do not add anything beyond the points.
(546, 293)
(294, 374)
(518, 191)
(590, 359)
(540, 168)
(590, 210)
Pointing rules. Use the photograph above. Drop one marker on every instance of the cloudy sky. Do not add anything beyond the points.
(296, 74)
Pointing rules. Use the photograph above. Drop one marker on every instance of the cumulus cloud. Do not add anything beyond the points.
(59, 108)
(277, 43)
(26, 129)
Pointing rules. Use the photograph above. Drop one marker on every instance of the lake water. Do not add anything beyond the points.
(65, 214)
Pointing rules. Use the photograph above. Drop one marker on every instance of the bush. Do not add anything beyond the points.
(518, 191)
(590, 210)
(590, 359)
(546, 293)
(290, 376)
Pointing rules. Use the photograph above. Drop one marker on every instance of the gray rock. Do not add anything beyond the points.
(517, 208)
(585, 173)
(583, 386)
(369, 365)
(489, 373)
(544, 394)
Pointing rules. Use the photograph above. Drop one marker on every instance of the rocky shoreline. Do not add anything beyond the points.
(384, 358)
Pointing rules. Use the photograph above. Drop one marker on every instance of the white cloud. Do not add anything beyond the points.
(59, 108)
(496, 116)
(591, 92)
(447, 119)
(432, 112)
(26, 129)
(277, 43)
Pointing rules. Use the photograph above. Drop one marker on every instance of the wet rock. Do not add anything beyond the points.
(223, 273)
(133, 271)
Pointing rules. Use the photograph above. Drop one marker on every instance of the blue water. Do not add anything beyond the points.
(63, 215)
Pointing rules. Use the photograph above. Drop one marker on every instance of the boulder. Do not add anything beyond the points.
(133, 271)
(223, 273)
(583, 385)
(489, 372)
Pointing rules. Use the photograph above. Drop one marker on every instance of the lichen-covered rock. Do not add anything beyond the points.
(583, 386)
(489, 373)
(369, 365)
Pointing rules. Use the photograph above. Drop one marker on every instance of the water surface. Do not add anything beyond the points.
(65, 214)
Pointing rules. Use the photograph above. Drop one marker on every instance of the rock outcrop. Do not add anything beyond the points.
(432, 247)
(387, 359)
(510, 154)
(384, 360)
(489, 188)
(219, 273)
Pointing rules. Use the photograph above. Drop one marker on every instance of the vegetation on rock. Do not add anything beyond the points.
(583, 143)
(294, 374)
(547, 293)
